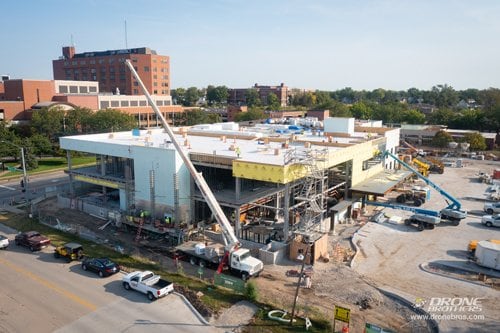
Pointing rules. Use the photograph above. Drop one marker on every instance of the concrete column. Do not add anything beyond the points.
(103, 173)
(237, 188)
(286, 211)
(71, 184)
(237, 222)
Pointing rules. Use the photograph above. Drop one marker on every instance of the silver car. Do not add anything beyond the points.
(491, 220)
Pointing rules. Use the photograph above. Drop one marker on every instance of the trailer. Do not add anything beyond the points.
(488, 254)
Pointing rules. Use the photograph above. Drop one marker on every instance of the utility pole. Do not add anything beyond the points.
(298, 283)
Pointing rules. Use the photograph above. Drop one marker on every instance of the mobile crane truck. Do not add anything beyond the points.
(424, 218)
(237, 259)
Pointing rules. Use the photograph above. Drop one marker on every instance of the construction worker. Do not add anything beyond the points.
(238, 151)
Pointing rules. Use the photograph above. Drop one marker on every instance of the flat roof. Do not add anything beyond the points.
(381, 183)
(251, 150)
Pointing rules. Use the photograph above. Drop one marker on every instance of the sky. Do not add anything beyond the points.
(307, 44)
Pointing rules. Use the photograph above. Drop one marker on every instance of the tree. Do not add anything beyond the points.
(178, 95)
(441, 139)
(48, 122)
(77, 120)
(360, 110)
(442, 116)
(110, 120)
(323, 100)
(217, 95)
(413, 117)
(41, 145)
(273, 102)
(476, 141)
(191, 97)
(252, 114)
(338, 109)
(252, 98)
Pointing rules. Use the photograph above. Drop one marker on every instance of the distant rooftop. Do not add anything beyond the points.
(139, 50)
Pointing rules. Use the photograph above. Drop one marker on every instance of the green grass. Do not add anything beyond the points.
(49, 164)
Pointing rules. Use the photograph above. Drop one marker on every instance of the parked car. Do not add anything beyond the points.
(492, 207)
(70, 251)
(4, 242)
(102, 266)
(491, 220)
(32, 240)
(147, 283)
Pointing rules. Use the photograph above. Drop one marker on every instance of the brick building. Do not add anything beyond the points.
(109, 69)
(20, 98)
(237, 96)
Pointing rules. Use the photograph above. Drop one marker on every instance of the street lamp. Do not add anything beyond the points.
(25, 174)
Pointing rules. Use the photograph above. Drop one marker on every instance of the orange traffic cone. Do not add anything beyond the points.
(345, 329)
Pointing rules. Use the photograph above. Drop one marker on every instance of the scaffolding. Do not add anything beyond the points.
(309, 191)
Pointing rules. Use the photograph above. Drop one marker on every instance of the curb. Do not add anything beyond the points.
(434, 323)
(424, 266)
(197, 314)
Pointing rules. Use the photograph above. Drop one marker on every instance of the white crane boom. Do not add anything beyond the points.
(230, 239)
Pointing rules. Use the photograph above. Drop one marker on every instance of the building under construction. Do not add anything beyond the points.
(274, 182)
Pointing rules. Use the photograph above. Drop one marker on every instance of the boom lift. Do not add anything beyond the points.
(231, 242)
(425, 218)
(419, 158)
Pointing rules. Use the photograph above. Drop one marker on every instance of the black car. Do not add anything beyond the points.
(101, 266)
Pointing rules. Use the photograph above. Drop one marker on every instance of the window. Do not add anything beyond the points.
(143, 103)
(155, 76)
(134, 59)
(167, 102)
(83, 90)
(155, 84)
(83, 62)
(111, 69)
(104, 104)
(94, 77)
(73, 89)
(159, 103)
(115, 104)
(124, 103)
(92, 70)
(146, 68)
(63, 89)
(155, 92)
(66, 63)
(134, 103)
(101, 61)
(92, 89)
(154, 59)
(92, 62)
(155, 69)
(74, 62)
(111, 61)
(164, 77)
(136, 84)
(136, 92)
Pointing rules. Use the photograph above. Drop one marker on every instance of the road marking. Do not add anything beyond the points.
(8, 187)
(50, 285)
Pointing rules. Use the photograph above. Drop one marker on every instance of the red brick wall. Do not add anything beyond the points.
(13, 110)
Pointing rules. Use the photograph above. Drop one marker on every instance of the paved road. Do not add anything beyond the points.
(38, 186)
(39, 293)
(391, 254)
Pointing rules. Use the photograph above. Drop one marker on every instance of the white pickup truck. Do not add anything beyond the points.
(147, 283)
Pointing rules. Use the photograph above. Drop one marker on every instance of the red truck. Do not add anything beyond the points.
(32, 240)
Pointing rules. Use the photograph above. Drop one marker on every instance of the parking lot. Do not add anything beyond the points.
(391, 253)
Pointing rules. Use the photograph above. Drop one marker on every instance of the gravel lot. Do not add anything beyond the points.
(390, 254)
